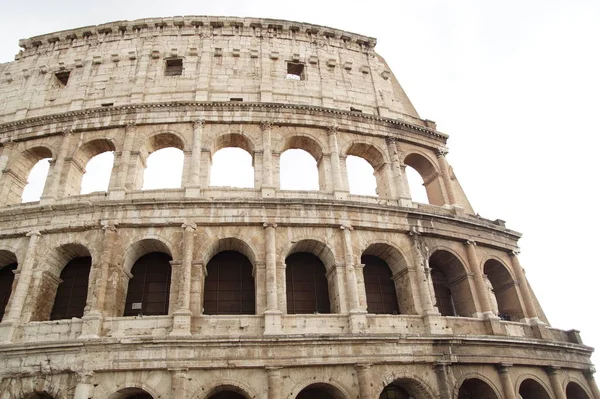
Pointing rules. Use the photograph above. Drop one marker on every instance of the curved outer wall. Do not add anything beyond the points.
(345, 102)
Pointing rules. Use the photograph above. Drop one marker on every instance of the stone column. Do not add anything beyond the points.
(25, 276)
(482, 291)
(274, 382)
(424, 298)
(272, 312)
(51, 190)
(197, 293)
(589, 376)
(508, 388)
(363, 372)
(349, 270)
(398, 172)
(360, 282)
(7, 149)
(443, 163)
(267, 179)
(85, 387)
(194, 182)
(530, 309)
(336, 170)
(182, 316)
(441, 372)
(205, 165)
(179, 383)
(552, 372)
(122, 160)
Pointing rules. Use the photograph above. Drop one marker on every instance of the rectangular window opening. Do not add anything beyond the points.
(295, 71)
(174, 67)
(238, 99)
(63, 77)
(107, 104)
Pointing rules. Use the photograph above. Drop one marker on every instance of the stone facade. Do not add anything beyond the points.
(201, 84)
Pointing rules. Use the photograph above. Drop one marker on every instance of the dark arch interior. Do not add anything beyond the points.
(574, 391)
(395, 391)
(314, 393)
(379, 286)
(229, 285)
(148, 290)
(530, 389)
(39, 395)
(71, 293)
(474, 388)
(451, 285)
(306, 285)
(139, 396)
(6, 281)
(227, 395)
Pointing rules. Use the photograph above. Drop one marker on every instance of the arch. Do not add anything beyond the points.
(380, 288)
(376, 158)
(298, 170)
(231, 243)
(306, 143)
(531, 388)
(431, 177)
(504, 293)
(131, 393)
(18, 173)
(164, 169)
(145, 246)
(160, 140)
(72, 291)
(57, 258)
(76, 165)
(8, 265)
(38, 395)
(308, 387)
(411, 385)
(223, 384)
(313, 246)
(238, 140)
(229, 285)
(148, 289)
(575, 391)
(451, 284)
(394, 257)
(476, 388)
(307, 290)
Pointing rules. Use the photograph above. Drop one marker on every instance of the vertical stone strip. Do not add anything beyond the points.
(55, 175)
(359, 270)
(363, 372)
(267, 180)
(530, 310)
(182, 317)
(349, 270)
(179, 383)
(274, 382)
(425, 299)
(482, 291)
(5, 174)
(110, 238)
(7, 149)
(271, 266)
(336, 171)
(25, 276)
(507, 384)
(589, 376)
(124, 166)
(194, 171)
(84, 388)
(396, 169)
(197, 297)
(552, 372)
(441, 372)
(443, 163)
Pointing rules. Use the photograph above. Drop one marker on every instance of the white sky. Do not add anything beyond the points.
(515, 83)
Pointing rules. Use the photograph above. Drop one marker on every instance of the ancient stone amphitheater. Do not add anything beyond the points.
(217, 292)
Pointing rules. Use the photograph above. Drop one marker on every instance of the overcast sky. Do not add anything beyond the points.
(515, 84)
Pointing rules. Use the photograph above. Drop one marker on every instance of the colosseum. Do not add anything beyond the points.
(211, 292)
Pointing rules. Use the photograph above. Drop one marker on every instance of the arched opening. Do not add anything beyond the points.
(90, 168)
(403, 389)
(229, 286)
(307, 291)
(36, 181)
(451, 285)
(8, 264)
(320, 391)
(418, 192)
(474, 388)
(227, 395)
(298, 171)
(149, 287)
(97, 173)
(232, 163)
(131, 393)
(531, 389)
(379, 286)
(430, 177)
(164, 169)
(504, 297)
(38, 395)
(575, 391)
(361, 176)
(71, 293)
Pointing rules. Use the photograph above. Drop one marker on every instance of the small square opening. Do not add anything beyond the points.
(173, 67)
(63, 77)
(295, 71)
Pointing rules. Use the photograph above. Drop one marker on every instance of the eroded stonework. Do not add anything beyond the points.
(465, 321)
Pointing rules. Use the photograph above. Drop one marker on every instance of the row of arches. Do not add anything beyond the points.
(163, 161)
(404, 388)
(228, 284)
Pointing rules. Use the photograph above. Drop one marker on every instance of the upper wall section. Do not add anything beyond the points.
(200, 59)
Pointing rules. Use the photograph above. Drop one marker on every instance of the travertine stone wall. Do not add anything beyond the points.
(185, 353)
